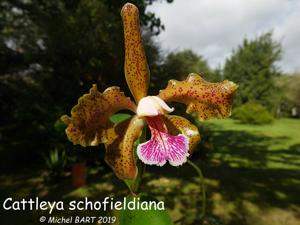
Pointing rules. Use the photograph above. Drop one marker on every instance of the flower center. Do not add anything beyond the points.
(152, 106)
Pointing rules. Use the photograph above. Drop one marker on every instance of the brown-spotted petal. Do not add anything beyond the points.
(203, 98)
(90, 117)
(179, 125)
(136, 67)
(120, 147)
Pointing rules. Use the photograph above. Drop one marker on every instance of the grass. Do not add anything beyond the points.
(274, 146)
(281, 128)
(252, 177)
(257, 170)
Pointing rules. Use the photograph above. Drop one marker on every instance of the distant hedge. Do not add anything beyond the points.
(252, 113)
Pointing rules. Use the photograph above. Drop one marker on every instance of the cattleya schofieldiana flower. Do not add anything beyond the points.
(173, 138)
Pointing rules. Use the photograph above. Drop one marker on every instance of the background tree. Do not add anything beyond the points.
(253, 67)
(177, 65)
(289, 94)
(51, 53)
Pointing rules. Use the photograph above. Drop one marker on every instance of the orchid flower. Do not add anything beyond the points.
(173, 138)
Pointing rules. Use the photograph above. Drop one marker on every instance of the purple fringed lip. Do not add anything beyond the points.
(162, 146)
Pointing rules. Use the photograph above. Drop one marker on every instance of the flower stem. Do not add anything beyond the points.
(198, 170)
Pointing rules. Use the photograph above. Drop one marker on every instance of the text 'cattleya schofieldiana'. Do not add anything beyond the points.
(173, 138)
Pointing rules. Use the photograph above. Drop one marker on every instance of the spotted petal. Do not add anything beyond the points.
(136, 67)
(203, 98)
(179, 125)
(120, 147)
(90, 117)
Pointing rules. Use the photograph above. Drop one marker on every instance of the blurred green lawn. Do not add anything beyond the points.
(252, 177)
(257, 172)
(272, 146)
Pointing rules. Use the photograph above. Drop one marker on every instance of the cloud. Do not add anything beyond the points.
(213, 28)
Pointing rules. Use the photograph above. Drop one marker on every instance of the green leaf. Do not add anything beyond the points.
(119, 117)
(140, 217)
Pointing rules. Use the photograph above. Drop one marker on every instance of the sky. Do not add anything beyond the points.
(213, 28)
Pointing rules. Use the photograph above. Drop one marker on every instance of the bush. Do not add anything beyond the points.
(252, 113)
(55, 163)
